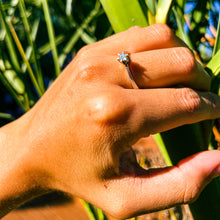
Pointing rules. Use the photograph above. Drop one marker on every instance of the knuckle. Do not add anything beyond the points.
(104, 109)
(164, 32)
(188, 100)
(186, 60)
(84, 51)
(87, 69)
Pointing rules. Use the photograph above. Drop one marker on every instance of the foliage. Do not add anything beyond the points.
(38, 39)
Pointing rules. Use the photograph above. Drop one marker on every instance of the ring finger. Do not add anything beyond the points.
(151, 69)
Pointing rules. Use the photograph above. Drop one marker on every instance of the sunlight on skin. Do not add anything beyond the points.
(91, 116)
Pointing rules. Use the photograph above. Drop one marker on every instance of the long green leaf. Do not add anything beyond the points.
(163, 9)
(9, 40)
(152, 6)
(33, 47)
(124, 14)
(6, 116)
(79, 33)
(163, 149)
(51, 35)
(214, 64)
(217, 40)
(26, 61)
(18, 98)
(181, 33)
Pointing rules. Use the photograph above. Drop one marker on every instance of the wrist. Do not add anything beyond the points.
(20, 178)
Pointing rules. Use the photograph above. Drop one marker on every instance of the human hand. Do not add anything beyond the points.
(78, 137)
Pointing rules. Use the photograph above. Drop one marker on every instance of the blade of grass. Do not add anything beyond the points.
(152, 6)
(88, 209)
(181, 4)
(151, 12)
(217, 40)
(181, 33)
(151, 18)
(100, 214)
(124, 14)
(69, 7)
(214, 65)
(18, 98)
(12, 81)
(163, 149)
(21, 50)
(47, 47)
(87, 38)
(163, 9)
(15, 81)
(33, 47)
(79, 32)
(51, 35)
(8, 39)
(6, 116)
(198, 21)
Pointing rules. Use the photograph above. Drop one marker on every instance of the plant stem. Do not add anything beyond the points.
(51, 36)
(78, 33)
(6, 116)
(22, 8)
(21, 50)
(9, 41)
(217, 40)
(12, 92)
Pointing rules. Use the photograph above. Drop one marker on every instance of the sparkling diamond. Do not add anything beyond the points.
(123, 58)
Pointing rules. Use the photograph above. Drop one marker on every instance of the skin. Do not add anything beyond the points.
(78, 137)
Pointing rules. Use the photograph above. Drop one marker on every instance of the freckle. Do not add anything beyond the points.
(106, 186)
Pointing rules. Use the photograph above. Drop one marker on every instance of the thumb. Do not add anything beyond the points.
(155, 189)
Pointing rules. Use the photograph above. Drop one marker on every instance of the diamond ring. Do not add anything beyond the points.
(125, 59)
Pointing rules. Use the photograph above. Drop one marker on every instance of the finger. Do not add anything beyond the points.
(151, 69)
(158, 110)
(167, 67)
(151, 190)
(136, 39)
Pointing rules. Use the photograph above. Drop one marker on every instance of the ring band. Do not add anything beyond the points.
(125, 59)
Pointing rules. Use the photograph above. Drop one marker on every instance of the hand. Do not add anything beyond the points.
(78, 137)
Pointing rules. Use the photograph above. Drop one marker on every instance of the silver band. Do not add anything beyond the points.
(125, 59)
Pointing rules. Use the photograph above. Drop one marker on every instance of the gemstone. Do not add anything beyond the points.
(123, 58)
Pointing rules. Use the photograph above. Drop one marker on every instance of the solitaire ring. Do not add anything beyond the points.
(125, 59)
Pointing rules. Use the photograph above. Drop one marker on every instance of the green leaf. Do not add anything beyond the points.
(152, 5)
(162, 148)
(181, 33)
(217, 40)
(181, 4)
(163, 9)
(8, 39)
(124, 14)
(6, 116)
(214, 64)
(79, 33)
(31, 41)
(51, 35)
(15, 81)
